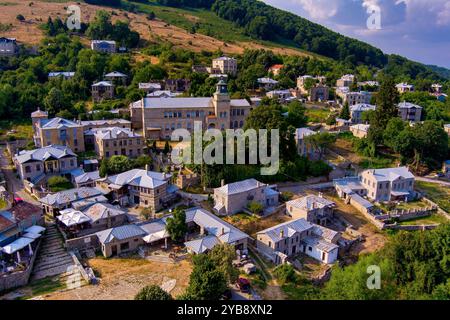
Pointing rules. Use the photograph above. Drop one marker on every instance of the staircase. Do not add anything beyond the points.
(53, 259)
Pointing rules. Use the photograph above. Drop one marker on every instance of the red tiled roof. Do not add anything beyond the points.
(277, 66)
(5, 223)
(24, 210)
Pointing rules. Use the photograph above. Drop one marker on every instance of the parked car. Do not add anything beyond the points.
(243, 285)
(227, 295)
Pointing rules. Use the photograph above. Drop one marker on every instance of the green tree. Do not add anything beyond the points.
(206, 281)
(321, 141)
(296, 115)
(55, 101)
(387, 101)
(222, 256)
(119, 164)
(176, 225)
(152, 292)
(166, 149)
(255, 207)
(345, 112)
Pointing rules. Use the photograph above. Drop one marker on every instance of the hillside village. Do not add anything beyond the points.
(93, 206)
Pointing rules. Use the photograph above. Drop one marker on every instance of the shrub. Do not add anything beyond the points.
(152, 293)
(285, 273)
(20, 17)
(255, 207)
(58, 183)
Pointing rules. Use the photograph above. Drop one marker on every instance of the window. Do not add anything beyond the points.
(124, 246)
(75, 142)
(72, 163)
(107, 154)
(38, 167)
(309, 248)
(28, 169)
(63, 164)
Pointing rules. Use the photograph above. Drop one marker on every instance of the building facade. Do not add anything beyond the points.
(312, 208)
(57, 131)
(159, 117)
(410, 112)
(295, 237)
(224, 65)
(118, 141)
(102, 90)
(104, 46)
(49, 160)
(357, 110)
(304, 148)
(235, 197)
(8, 47)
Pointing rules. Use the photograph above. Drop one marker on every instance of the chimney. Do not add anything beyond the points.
(320, 195)
(281, 233)
(222, 182)
(76, 195)
(223, 231)
(147, 167)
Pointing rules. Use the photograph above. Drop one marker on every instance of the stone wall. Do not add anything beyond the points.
(89, 241)
(18, 279)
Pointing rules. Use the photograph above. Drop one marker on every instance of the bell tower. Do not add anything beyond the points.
(222, 106)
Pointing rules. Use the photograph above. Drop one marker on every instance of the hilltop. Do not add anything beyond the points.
(167, 26)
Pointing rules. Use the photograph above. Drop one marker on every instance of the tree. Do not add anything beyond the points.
(57, 183)
(321, 141)
(55, 101)
(345, 112)
(223, 255)
(146, 213)
(104, 167)
(166, 149)
(285, 273)
(20, 17)
(152, 292)
(119, 164)
(206, 281)
(142, 161)
(296, 115)
(255, 207)
(393, 129)
(176, 225)
(387, 101)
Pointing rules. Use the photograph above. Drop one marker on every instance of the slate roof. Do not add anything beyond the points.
(57, 74)
(240, 186)
(110, 122)
(120, 233)
(103, 84)
(362, 107)
(115, 74)
(301, 133)
(45, 153)
(361, 127)
(239, 103)
(68, 196)
(267, 81)
(310, 202)
(177, 103)
(139, 178)
(88, 176)
(203, 244)
(288, 229)
(408, 105)
(391, 174)
(59, 123)
(102, 211)
(38, 113)
(114, 133)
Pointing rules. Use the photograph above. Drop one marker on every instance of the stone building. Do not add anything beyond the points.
(224, 65)
(312, 208)
(8, 47)
(102, 90)
(159, 117)
(57, 131)
(104, 46)
(410, 112)
(118, 141)
(50, 160)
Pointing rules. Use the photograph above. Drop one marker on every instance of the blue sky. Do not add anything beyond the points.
(417, 29)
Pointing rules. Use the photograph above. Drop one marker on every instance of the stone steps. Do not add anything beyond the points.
(53, 259)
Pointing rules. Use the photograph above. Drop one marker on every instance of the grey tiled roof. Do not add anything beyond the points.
(114, 133)
(310, 202)
(88, 176)
(45, 153)
(391, 174)
(58, 123)
(139, 178)
(288, 229)
(408, 105)
(120, 233)
(202, 244)
(68, 196)
(177, 103)
(240, 186)
(362, 107)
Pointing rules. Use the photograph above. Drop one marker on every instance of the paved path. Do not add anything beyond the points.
(436, 181)
(13, 184)
(302, 187)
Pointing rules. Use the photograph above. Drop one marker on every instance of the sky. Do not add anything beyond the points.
(416, 29)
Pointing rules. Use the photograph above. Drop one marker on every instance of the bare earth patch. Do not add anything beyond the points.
(121, 279)
(28, 31)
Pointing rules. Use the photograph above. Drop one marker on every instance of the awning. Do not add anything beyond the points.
(72, 218)
(33, 236)
(156, 236)
(17, 245)
(399, 193)
(35, 229)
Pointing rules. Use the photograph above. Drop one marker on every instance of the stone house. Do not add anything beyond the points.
(8, 47)
(404, 87)
(224, 65)
(104, 46)
(102, 90)
(345, 81)
(410, 112)
(91, 126)
(235, 197)
(177, 85)
(118, 141)
(144, 188)
(357, 110)
(360, 130)
(304, 148)
(116, 78)
(51, 160)
(314, 209)
(57, 131)
(291, 238)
